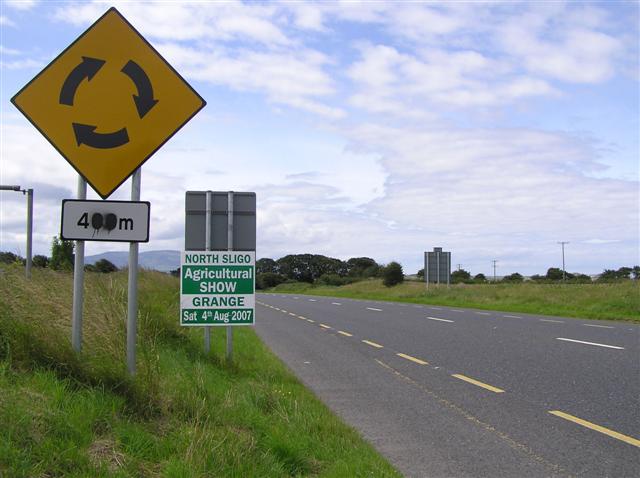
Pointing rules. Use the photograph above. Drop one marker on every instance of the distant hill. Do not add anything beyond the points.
(157, 260)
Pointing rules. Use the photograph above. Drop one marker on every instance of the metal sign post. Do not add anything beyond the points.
(229, 355)
(78, 281)
(132, 306)
(207, 247)
(30, 233)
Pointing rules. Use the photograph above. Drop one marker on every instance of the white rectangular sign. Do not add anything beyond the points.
(117, 221)
(217, 288)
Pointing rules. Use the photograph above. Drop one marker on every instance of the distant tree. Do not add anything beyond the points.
(635, 270)
(105, 266)
(9, 258)
(515, 277)
(392, 274)
(362, 267)
(460, 276)
(265, 265)
(621, 274)
(267, 280)
(40, 261)
(624, 272)
(420, 274)
(175, 272)
(538, 278)
(90, 268)
(581, 279)
(61, 254)
(309, 267)
(554, 273)
(481, 278)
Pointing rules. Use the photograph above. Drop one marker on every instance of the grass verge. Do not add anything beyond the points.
(185, 414)
(616, 301)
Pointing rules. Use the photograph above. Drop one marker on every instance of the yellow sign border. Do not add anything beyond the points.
(179, 76)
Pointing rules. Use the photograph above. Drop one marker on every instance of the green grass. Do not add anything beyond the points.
(615, 301)
(185, 414)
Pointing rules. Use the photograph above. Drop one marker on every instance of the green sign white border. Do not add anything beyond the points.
(252, 263)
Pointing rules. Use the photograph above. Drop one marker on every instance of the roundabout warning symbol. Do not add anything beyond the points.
(108, 102)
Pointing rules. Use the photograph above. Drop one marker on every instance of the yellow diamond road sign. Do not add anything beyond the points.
(108, 102)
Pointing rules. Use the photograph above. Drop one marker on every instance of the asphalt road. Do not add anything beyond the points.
(444, 391)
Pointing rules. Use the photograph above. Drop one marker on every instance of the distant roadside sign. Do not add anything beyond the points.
(217, 288)
(108, 102)
(113, 221)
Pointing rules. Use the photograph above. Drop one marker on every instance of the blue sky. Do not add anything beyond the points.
(493, 130)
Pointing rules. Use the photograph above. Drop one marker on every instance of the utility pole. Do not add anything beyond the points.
(564, 274)
(459, 266)
(29, 193)
(494, 269)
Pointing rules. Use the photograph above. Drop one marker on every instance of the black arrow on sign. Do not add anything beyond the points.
(85, 135)
(144, 99)
(87, 68)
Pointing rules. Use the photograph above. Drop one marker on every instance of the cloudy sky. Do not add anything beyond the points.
(375, 129)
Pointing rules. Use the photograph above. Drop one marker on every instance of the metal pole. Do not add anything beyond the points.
(207, 247)
(29, 232)
(494, 270)
(132, 306)
(564, 274)
(78, 281)
(230, 248)
(426, 267)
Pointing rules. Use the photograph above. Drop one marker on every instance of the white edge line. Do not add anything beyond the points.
(590, 343)
(554, 321)
(599, 326)
(372, 308)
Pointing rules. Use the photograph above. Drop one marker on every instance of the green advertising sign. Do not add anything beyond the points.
(217, 288)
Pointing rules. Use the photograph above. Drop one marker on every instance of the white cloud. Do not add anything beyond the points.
(21, 4)
(294, 78)
(9, 51)
(26, 64)
(181, 21)
(6, 21)
(388, 81)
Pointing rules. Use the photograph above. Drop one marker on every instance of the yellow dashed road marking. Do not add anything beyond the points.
(598, 428)
(324, 326)
(478, 383)
(346, 334)
(413, 359)
(373, 344)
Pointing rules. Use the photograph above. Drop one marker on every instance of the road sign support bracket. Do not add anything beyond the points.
(78, 281)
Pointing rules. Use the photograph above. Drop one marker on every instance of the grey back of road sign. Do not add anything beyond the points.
(437, 266)
(244, 221)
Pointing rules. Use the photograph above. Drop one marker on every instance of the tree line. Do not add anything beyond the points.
(554, 274)
(62, 259)
(316, 268)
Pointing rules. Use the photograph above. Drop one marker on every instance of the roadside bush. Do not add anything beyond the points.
(335, 280)
(392, 274)
(267, 280)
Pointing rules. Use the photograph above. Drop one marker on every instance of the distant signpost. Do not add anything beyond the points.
(217, 288)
